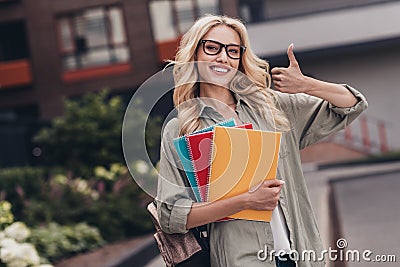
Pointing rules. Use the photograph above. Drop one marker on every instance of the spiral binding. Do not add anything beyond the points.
(226, 122)
(223, 123)
(193, 166)
(212, 151)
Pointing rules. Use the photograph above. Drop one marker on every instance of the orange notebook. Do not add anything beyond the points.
(242, 159)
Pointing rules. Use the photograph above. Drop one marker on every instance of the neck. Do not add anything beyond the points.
(217, 92)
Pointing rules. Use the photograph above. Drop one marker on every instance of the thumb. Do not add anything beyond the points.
(290, 54)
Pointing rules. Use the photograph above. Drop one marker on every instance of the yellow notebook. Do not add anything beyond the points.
(242, 159)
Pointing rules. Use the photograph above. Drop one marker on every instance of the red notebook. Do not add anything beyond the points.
(199, 146)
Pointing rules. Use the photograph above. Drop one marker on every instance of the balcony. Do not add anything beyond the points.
(167, 49)
(96, 72)
(15, 73)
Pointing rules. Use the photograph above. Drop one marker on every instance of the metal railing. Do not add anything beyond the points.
(366, 134)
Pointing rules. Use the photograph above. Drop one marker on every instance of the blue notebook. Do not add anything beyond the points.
(183, 153)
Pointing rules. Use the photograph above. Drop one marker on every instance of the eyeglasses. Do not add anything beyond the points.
(212, 48)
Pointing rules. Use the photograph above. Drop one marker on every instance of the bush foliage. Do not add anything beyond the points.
(111, 201)
(89, 134)
(55, 242)
(81, 177)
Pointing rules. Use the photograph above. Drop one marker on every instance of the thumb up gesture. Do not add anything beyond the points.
(289, 80)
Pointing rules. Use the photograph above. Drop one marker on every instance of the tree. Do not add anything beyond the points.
(89, 134)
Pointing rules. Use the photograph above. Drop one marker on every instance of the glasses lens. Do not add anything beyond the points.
(233, 51)
(212, 48)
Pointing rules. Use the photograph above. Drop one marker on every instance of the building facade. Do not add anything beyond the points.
(55, 49)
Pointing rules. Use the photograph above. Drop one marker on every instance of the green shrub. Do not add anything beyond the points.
(118, 216)
(15, 250)
(56, 242)
(90, 134)
(19, 183)
(111, 200)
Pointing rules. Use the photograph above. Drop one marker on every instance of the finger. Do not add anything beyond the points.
(277, 85)
(277, 88)
(274, 183)
(279, 189)
(277, 77)
(276, 191)
(292, 58)
(277, 70)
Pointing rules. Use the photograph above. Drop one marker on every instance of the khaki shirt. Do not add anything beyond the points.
(238, 242)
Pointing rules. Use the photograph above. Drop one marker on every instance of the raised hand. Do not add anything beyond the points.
(289, 80)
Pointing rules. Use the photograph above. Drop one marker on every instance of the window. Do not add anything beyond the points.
(172, 18)
(13, 44)
(91, 38)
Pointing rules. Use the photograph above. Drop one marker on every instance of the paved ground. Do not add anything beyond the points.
(109, 255)
(369, 211)
(157, 262)
(318, 188)
(356, 208)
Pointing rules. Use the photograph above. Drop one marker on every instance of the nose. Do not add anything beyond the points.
(222, 56)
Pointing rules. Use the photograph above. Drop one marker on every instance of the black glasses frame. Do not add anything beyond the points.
(221, 45)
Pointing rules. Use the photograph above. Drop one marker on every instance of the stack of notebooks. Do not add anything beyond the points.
(225, 160)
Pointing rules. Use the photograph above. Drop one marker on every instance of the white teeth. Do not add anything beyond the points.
(219, 70)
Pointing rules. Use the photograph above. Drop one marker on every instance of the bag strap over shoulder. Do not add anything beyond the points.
(200, 232)
(152, 209)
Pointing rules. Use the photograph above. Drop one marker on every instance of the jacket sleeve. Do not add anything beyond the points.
(313, 118)
(173, 198)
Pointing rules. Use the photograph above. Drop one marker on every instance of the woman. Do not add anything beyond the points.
(303, 108)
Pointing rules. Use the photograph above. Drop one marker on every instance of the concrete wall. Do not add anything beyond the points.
(327, 29)
(283, 8)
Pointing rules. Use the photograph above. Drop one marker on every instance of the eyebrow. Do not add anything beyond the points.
(221, 42)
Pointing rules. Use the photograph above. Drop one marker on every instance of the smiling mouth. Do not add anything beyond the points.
(219, 69)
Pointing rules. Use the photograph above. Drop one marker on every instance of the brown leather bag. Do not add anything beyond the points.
(181, 249)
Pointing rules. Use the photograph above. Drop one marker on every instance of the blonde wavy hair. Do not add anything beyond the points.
(253, 86)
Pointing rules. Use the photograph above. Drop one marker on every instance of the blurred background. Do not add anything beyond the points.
(68, 69)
